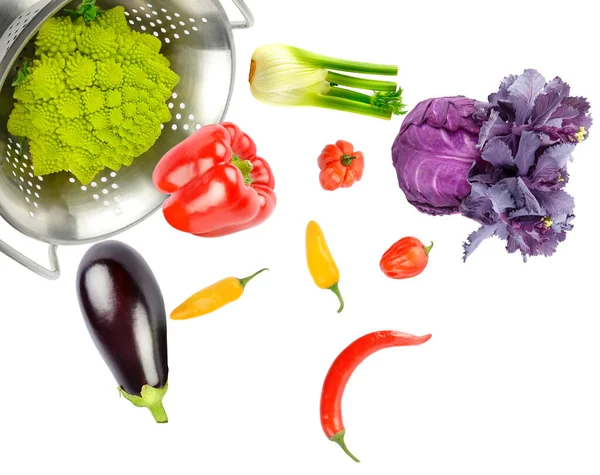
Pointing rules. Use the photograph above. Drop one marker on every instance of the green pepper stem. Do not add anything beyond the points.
(245, 280)
(336, 290)
(245, 166)
(428, 248)
(347, 159)
(151, 398)
(339, 439)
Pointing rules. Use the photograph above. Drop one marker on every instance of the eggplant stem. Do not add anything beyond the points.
(151, 398)
(158, 412)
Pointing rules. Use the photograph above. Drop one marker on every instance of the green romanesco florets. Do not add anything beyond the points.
(93, 97)
(45, 117)
(115, 18)
(80, 71)
(109, 74)
(50, 153)
(114, 98)
(70, 132)
(97, 42)
(69, 104)
(47, 77)
(19, 122)
(57, 35)
(151, 42)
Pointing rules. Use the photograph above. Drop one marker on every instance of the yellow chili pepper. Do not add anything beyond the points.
(321, 264)
(212, 297)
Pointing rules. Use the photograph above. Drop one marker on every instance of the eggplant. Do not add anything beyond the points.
(125, 315)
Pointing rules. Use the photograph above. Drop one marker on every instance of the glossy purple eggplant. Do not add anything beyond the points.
(124, 312)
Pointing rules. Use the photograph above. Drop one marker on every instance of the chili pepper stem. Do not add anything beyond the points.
(151, 399)
(245, 280)
(428, 248)
(339, 439)
(336, 290)
(347, 159)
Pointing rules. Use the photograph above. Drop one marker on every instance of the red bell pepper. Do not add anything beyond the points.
(217, 183)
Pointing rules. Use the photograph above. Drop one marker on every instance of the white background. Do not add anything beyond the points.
(506, 385)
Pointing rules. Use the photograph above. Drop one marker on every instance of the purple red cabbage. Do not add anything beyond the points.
(526, 134)
(434, 151)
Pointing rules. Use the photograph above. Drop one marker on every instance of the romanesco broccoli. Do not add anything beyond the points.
(93, 96)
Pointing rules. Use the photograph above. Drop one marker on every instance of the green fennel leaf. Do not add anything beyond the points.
(389, 101)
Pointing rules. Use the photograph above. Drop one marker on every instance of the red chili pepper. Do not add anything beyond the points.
(340, 166)
(406, 258)
(341, 370)
(218, 185)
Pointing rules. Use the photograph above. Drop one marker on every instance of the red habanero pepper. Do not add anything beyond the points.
(406, 258)
(217, 183)
(341, 370)
(340, 166)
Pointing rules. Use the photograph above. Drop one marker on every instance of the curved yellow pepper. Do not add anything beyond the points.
(321, 265)
(212, 297)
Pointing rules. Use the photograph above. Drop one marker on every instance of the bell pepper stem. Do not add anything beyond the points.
(244, 166)
(335, 289)
(151, 398)
(428, 248)
(339, 439)
(245, 280)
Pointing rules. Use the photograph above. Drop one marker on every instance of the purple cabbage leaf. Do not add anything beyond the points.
(526, 142)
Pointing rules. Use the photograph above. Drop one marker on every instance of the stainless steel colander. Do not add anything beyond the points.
(56, 209)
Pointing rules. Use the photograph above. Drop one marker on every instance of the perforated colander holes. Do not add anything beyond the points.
(101, 188)
(22, 172)
(180, 118)
(15, 28)
(162, 23)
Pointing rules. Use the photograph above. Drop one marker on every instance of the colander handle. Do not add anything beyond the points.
(248, 17)
(52, 273)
